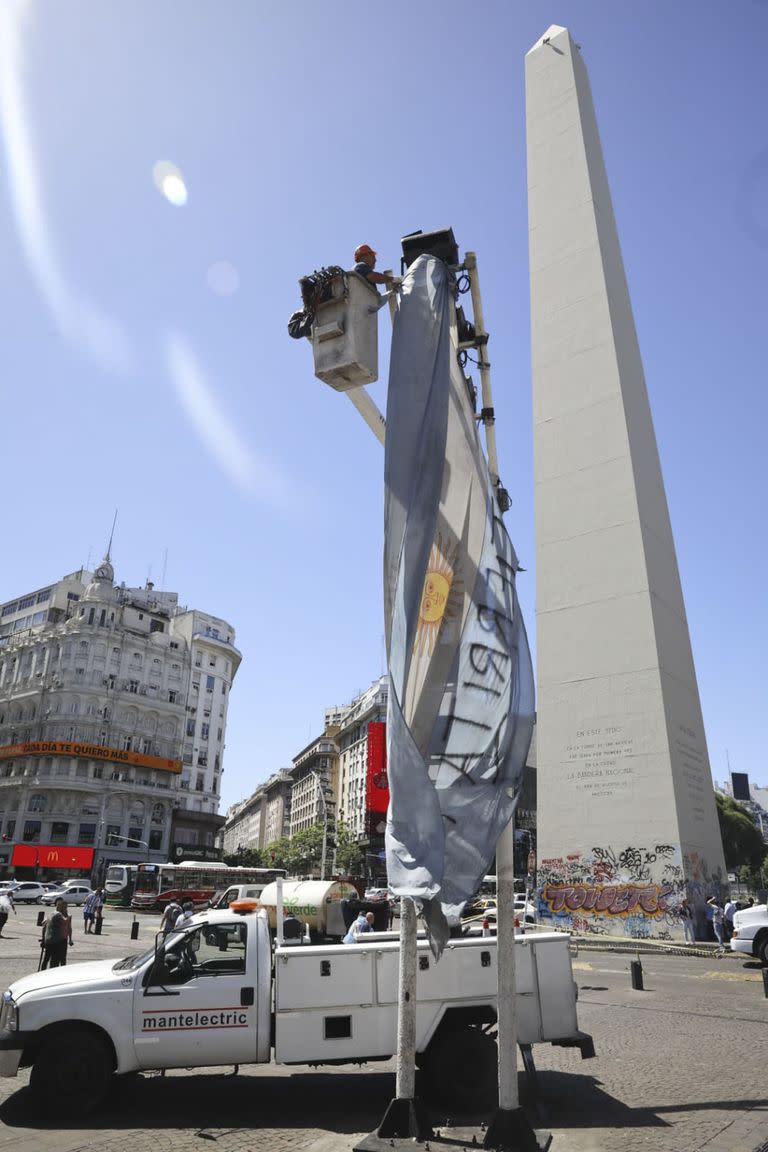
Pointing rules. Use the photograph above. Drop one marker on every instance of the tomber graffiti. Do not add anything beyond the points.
(609, 899)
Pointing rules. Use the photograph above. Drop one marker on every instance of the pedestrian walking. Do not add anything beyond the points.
(187, 911)
(99, 910)
(717, 924)
(56, 937)
(728, 914)
(6, 907)
(686, 916)
(89, 912)
(169, 917)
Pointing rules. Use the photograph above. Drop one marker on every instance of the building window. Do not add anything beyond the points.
(43, 596)
(156, 626)
(59, 831)
(133, 686)
(134, 833)
(86, 834)
(32, 831)
(212, 662)
(10, 828)
(27, 602)
(112, 834)
(196, 686)
(91, 615)
(205, 728)
(173, 644)
(209, 683)
(38, 802)
(155, 840)
(158, 814)
(172, 696)
(190, 727)
(202, 759)
(200, 785)
(127, 743)
(98, 771)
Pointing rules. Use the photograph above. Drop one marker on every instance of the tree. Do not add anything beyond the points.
(277, 854)
(743, 844)
(306, 850)
(245, 858)
(349, 854)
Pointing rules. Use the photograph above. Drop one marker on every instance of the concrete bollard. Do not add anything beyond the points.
(636, 969)
(135, 930)
(97, 926)
(40, 919)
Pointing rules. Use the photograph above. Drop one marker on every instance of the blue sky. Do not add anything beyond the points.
(302, 130)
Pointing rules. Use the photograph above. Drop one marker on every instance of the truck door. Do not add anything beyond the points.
(197, 1005)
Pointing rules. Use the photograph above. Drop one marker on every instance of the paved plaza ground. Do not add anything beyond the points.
(680, 1067)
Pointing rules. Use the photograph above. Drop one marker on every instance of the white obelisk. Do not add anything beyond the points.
(626, 814)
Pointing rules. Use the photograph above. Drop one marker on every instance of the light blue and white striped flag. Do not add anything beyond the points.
(461, 696)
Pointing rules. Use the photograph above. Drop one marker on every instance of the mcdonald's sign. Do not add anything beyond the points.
(52, 856)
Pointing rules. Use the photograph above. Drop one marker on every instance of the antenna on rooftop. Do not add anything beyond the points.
(111, 536)
(165, 565)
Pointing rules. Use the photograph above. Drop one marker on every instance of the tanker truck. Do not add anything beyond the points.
(315, 903)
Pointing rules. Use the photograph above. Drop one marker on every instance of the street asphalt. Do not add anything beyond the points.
(680, 1067)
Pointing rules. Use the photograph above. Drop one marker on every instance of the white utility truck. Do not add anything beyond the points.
(216, 993)
(750, 932)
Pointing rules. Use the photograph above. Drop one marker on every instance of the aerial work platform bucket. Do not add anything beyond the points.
(345, 333)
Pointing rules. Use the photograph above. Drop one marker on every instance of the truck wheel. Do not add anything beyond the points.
(72, 1072)
(461, 1070)
(762, 950)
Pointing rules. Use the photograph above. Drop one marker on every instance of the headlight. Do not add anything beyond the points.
(9, 1019)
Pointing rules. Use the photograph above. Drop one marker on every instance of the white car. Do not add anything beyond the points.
(27, 892)
(73, 894)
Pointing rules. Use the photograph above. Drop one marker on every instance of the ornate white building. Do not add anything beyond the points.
(113, 710)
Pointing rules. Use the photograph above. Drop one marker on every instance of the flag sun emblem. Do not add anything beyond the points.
(440, 597)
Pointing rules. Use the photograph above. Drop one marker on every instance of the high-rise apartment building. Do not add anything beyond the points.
(113, 710)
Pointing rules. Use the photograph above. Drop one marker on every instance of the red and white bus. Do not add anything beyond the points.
(158, 884)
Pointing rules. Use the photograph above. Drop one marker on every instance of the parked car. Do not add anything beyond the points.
(73, 894)
(376, 894)
(27, 892)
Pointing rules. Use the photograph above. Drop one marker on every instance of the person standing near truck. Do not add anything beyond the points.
(57, 937)
(360, 926)
(6, 907)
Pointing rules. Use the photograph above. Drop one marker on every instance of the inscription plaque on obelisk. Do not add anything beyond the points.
(626, 815)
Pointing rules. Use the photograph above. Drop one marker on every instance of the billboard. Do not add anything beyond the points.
(52, 856)
(88, 752)
(377, 784)
(740, 785)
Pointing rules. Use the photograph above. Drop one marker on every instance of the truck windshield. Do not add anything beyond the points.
(131, 962)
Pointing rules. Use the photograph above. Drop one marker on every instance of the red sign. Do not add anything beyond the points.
(52, 856)
(377, 789)
(24, 856)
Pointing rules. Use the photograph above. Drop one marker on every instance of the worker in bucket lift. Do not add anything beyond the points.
(365, 266)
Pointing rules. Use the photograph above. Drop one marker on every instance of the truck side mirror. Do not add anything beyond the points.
(159, 973)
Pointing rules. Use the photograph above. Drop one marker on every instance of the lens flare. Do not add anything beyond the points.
(170, 183)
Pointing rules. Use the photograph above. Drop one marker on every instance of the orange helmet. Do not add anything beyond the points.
(364, 250)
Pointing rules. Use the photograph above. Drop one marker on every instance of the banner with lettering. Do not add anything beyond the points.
(461, 699)
(88, 752)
